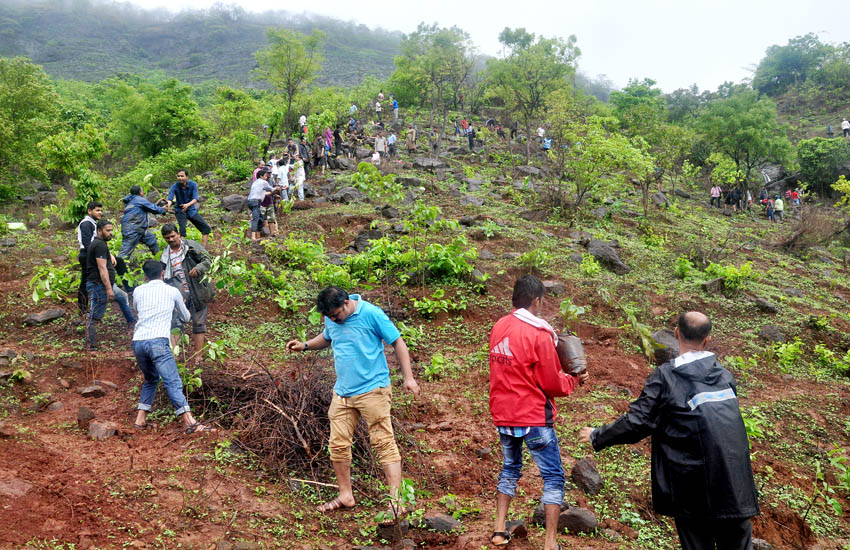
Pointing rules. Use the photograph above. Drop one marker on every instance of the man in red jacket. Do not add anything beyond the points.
(525, 377)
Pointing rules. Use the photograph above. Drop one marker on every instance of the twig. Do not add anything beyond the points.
(294, 425)
(314, 482)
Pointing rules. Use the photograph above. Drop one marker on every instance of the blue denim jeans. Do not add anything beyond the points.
(157, 362)
(98, 301)
(256, 215)
(133, 238)
(542, 443)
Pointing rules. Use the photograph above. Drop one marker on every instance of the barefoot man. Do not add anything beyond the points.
(357, 330)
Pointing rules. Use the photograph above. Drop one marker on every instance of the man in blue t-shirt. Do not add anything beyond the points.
(357, 330)
(185, 192)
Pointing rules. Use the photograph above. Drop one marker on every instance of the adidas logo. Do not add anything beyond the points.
(502, 348)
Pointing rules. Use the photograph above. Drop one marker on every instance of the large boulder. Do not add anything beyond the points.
(577, 520)
(539, 515)
(659, 199)
(772, 172)
(772, 334)
(529, 170)
(608, 256)
(471, 200)
(234, 203)
(347, 195)
(362, 240)
(362, 153)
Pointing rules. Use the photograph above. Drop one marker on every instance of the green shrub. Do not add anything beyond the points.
(788, 355)
(54, 283)
(233, 169)
(589, 266)
(735, 278)
(534, 260)
(683, 267)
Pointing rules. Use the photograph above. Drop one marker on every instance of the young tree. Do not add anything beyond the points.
(440, 57)
(28, 107)
(792, 64)
(820, 160)
(744, 128)
(591, 156)
(290, 63)
(532, 68)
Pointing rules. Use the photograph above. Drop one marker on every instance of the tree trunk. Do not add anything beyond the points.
(528, 140)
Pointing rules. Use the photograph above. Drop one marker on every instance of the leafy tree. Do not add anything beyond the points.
(28, 113)
(531, 70)
(744, 128)
(442, 59)
(592, 156)
(820, 159)
(792, 64)
(290, 63)
(73, 152)
(153, 118)
(236, 121)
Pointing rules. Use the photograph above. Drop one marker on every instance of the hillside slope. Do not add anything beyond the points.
(91, 41)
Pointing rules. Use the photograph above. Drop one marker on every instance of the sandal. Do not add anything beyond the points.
(142, 427)
(504, 534)
(198, 427)
(335, 504)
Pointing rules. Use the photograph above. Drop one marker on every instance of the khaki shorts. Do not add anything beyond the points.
(344, 414)
(268, 214)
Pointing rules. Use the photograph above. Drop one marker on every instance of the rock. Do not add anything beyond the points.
(478, 276)
(539, 515)
(234, 203)
(516, 528)
(361, 241)
(529, 170)
(84, 416)
(607, 256)
(585, 475)
(714, 286)
(91, 391)
(471, 200)
(511, 255)
(106, 384)
(389, 212)
(796, 292)
(8, 354)
(659, 199)
(765, 306)
(537, 215)
(8, 243)
(771, 333)
(600, 212)
(424, 163)
(773, 172)
(44, 316)
(486, 255)
(7, 431)
(48, 251)
(100, 430)
(577, 520)
(681, 193)
(467, 221)
(246, 545)
(223, 545)
(390, 531)
(441, 523)
(482, 452)
(302, 205)
(554, 288)
(473, 184)
(15, 488)
(345, 163)
(362, 153)
(43, 198)
(761, 544)
(670, 346)
(55, 406)
(335, 259)
(347, 195)
(576, 257)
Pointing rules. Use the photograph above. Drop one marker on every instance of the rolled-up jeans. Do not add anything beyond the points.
(542, 443)
(157, 362)
(256, 215)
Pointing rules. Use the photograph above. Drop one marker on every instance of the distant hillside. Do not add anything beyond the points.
(83, 40)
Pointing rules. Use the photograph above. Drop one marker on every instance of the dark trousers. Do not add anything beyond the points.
(715, 534)
(196, 219)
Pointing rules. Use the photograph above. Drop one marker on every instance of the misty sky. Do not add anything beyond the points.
(675, 42)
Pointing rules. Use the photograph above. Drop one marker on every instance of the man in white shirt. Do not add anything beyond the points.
(155, 301)
(845, 126)
(259, 189)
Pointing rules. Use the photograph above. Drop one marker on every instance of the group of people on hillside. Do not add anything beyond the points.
(176, 289)
(845, 129)
(772, 206)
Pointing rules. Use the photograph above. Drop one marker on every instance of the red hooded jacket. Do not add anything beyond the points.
(525, 374)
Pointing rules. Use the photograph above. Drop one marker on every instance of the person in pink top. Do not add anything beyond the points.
(716, 191)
